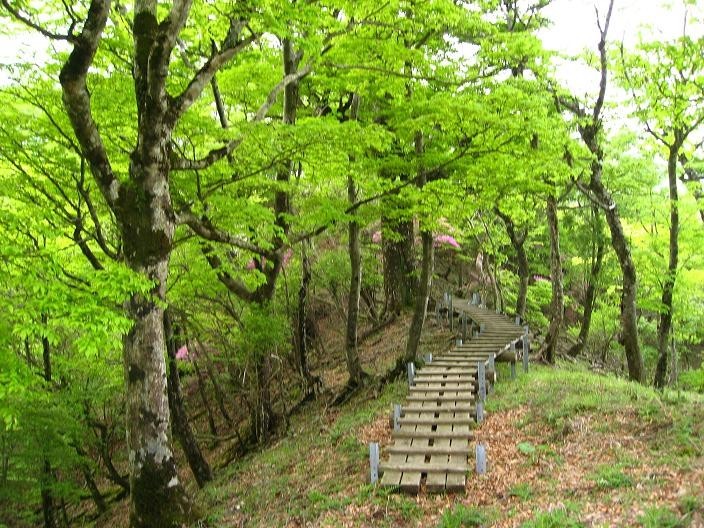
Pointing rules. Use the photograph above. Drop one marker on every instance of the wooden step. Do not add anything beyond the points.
(437, 421)
(441, 408)
(442, 377)
(449, 387)
(464, 397)
(429, 450)
(432, 435)
(425, 468)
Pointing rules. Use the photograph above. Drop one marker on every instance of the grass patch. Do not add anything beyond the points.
(462, 516)
(553, 519)
(523, 491)
(661, 518)
(611, 477)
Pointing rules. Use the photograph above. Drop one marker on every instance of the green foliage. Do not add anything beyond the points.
(693, 380)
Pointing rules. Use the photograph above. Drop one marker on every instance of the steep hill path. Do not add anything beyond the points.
(433, 430)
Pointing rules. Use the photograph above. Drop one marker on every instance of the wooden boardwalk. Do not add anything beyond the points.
(432, 436)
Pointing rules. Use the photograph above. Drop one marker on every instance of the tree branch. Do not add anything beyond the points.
(69, 37)
(204, 228)
(76, 99)
(230, 48)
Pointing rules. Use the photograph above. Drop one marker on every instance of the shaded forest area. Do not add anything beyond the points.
(218, 217)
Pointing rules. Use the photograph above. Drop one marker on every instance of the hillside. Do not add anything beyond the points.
(566, 447)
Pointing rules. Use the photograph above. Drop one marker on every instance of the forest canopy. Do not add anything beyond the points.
(190, 191)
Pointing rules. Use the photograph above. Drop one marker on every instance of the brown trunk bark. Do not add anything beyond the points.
(557, 302)
(420, 310)
(204, 400)
(180, 423)
(397, 246)
(668, 287)
(312, 383)
(47, 478)
(354, 366)
(629, 314)
(426, 275)
(598, 248)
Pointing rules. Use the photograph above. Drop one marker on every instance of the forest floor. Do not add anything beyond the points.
(566, 447)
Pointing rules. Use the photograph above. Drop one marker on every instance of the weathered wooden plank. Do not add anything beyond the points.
(432, 378)
(444, 406)
(410, 480)
(463, 396)
(432, 435)
(457, 482)
(437, 449)
(418, 467)
(459, 420)
(438, 387)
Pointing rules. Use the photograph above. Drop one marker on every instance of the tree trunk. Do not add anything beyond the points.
(629, 314)
(426, 274)
(668, 287)
(180, 423)
(204, 400)
(422, 294)
(147, 223)
(312, 383)
(518, 242)
(354, 366)
(590, 293)
(557, 302)
(397, 247)
(47, 478)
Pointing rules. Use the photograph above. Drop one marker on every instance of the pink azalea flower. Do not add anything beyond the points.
(447, 239)
(182, 353)
(376, 237)
(287, 257)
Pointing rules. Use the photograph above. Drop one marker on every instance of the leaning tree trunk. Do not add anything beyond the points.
(180, 423)
(592, 282)
(629, 314)
(557, 302)
(668, 287)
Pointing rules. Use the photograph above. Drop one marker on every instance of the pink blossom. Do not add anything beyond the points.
(251, 265)
(287, 257)
(376, 237)
(446, 239)
(182, 353)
